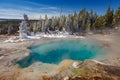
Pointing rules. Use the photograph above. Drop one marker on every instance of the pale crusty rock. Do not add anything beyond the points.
(75, 64)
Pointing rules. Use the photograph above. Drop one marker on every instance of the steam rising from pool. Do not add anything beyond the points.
(56, 51)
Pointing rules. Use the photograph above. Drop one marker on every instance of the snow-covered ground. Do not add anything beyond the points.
(43, 35)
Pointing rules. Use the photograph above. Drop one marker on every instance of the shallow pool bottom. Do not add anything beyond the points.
(54, 52)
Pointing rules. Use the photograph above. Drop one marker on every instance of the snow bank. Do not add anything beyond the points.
(42, 35)
(20, 40)
(54, 36)
(81, 37)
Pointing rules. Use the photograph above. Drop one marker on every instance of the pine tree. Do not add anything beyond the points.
(9, 30)
(117, 17)
(99, 23)
(109, 17)
(83, 20)
(46, 17)
(35, 27)
(75, 22)
(93, 21)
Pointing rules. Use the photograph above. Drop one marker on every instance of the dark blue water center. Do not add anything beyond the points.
(57, 51)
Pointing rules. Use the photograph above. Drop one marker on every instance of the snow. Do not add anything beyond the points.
(54, 36)
(20, 40)
(9, 40)
(81, 37)
(43, 35)
(24, 32)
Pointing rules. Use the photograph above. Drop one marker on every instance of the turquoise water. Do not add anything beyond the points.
(54, 52)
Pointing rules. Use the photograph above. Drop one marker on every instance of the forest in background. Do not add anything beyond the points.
(81, 22)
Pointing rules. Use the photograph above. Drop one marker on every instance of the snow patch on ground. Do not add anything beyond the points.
(12, 39)
(42, 35)
(54, 36)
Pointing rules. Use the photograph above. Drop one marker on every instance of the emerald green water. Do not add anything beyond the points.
(54, 52)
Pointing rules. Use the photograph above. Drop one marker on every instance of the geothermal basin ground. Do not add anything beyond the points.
(17, 59)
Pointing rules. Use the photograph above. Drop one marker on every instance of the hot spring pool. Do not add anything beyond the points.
(54, 52)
